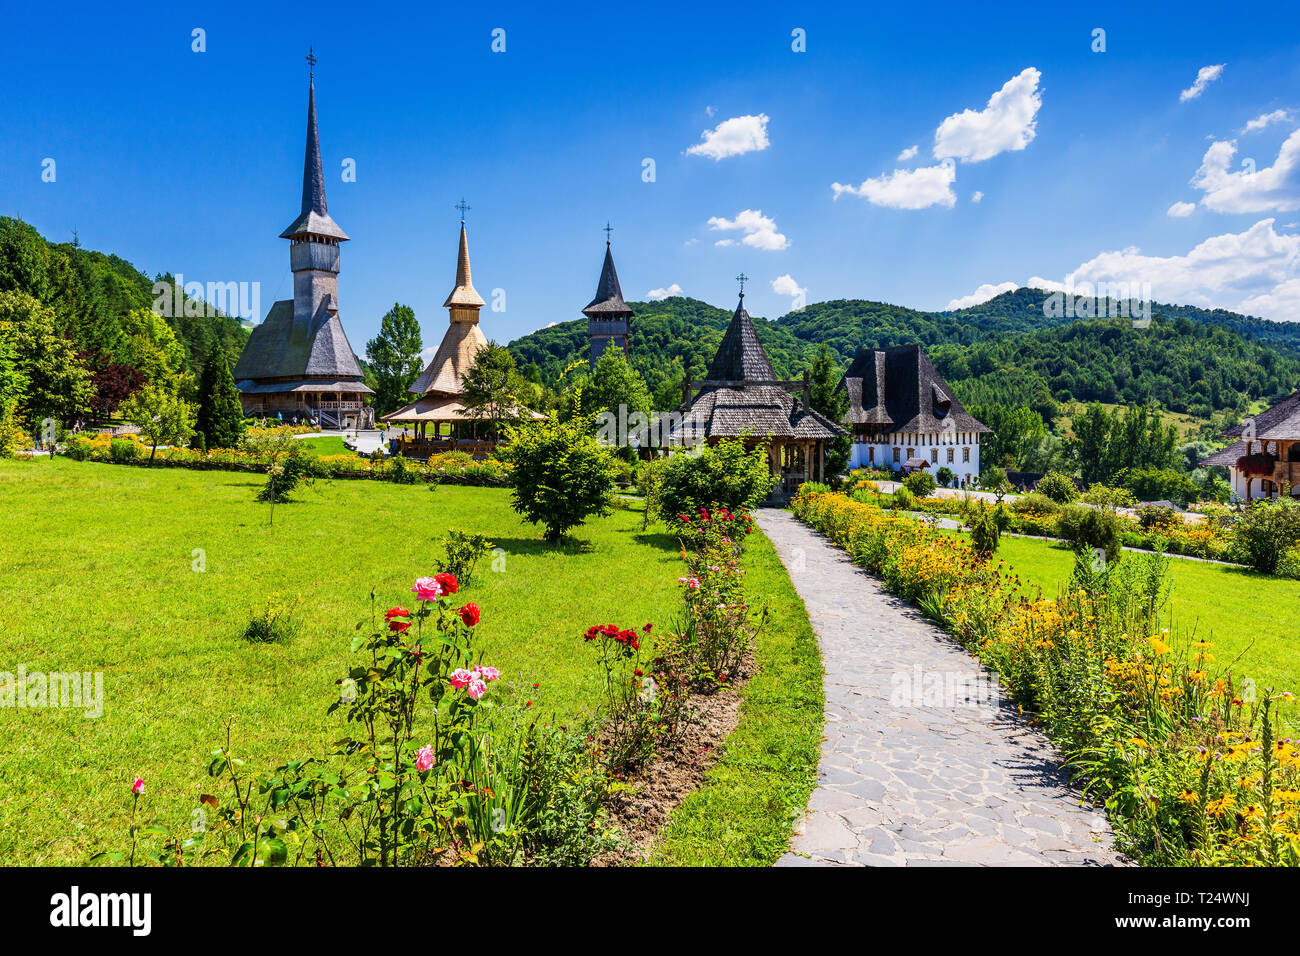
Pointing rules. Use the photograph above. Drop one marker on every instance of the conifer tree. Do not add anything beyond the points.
(221, 417)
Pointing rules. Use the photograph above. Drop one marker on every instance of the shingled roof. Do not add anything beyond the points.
(899, 388)
(740, 354)
(744, 397)
(608, 303)
(1281, 421)
(314, 219)
(279, 348)
(464, 293)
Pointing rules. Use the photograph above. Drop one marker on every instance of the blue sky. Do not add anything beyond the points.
(191, 162)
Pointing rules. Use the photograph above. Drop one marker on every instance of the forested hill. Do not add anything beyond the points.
(667, 338)
(1005, 350)
(91, 294)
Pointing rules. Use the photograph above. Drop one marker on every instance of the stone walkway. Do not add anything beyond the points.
(924, 762)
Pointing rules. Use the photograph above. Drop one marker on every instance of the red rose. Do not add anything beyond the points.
(469, 613)
(393, 612)
(449, 583)
(399, 626)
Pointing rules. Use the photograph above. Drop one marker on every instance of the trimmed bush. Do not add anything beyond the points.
(920, 483)
(1058, 487)
(1091, 529)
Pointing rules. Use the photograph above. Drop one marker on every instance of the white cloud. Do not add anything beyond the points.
(1204, 77)
(655, 295)
(732, 137)
(1007, 123)
(1267, 119)
(759, 231)
(909, 153)
(1256, 272)
(982, 295)
(1276, 187)
(785, 285)
(907, 188)
(976, 196)
(710, 110)
(1181, 210)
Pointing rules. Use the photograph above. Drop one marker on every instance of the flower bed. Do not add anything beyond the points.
(450, 467)
(1189, 762)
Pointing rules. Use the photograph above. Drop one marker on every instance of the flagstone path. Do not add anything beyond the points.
(924, 762)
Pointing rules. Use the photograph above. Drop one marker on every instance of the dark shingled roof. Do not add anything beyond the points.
(608, 303)
(314, 218)
(751, 402)
(1280, 421)
(740, 354)
(899, 388)
(280, 349)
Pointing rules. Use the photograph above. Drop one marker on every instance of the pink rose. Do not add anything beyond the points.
(137, 786)
(427, 589)
(487, 673)
(424, 758)
(460, 677)
(476, 689)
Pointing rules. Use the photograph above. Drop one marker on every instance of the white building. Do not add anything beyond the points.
(903, 416)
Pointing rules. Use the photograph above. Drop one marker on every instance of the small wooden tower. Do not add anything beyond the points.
(607, 314)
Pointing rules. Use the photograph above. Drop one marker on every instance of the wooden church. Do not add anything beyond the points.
(298, 363)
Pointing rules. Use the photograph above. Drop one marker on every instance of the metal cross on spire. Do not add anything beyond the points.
(464, 207)
(609, 230)
(311, 63)
(742, 279)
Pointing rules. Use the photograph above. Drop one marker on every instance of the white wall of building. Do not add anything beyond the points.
(958, 451)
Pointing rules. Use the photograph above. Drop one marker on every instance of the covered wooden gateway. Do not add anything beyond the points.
(741, 397)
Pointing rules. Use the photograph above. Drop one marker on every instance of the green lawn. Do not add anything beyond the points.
(743, 813)
(1252, 619)
(96, 575)
(325, 445)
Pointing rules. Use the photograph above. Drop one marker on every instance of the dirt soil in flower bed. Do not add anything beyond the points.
(677, 770)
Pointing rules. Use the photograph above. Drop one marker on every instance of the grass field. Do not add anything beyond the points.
(1252, 619)
(324, 445)
(97, 574)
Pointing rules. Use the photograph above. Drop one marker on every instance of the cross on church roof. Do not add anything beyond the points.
(608, 231)
(742, 279)
(311, 63)
(463, 206)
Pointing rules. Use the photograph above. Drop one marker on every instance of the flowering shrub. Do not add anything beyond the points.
(632, 712)
(419, 779)
(1191, 765)
(693, 528)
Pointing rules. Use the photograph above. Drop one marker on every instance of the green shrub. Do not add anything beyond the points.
(273, 624)
(79, 449)
(1159, 484)
(1268, 529)
(650, 482)
(124, 449)
(944, 476)
(1157, 517)
(726, 475)
(1058, 487)
(984, 533)
(1035, 503)
(1091, 529)
(920, 483)
(904, 500)
(461, 553)
(562, 474)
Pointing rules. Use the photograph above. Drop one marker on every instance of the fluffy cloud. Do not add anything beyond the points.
(759, 231)
(1181, 210)
(1276, 187)
(1204, 77)
(976, 196)
(982, 295)
(740, 134)
(1256, 272)
(785, 285)
(909, 153)
(1007, 123)
(654, 295)
(907, 188)
(1267, 119)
